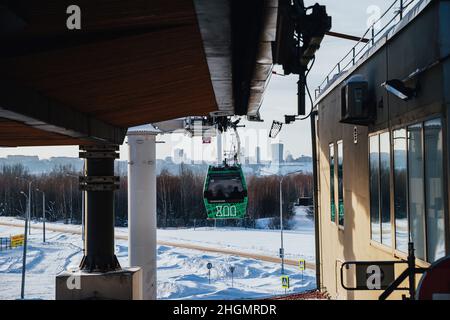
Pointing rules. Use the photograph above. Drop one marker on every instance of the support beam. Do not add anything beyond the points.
(25, 105)
(142, 207)
(99, 185)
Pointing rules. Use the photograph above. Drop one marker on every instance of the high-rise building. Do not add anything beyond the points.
(277, 152)
(258, 155)
(178, 155)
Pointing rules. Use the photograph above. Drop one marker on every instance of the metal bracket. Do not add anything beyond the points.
(99, 151)
(99, 154)
(99, 183)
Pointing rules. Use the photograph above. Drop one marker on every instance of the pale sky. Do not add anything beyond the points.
(349, 16)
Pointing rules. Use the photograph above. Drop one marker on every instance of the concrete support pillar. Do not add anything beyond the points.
(142, 207)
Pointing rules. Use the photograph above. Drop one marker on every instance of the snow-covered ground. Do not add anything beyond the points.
(298, 243)
(182, 273)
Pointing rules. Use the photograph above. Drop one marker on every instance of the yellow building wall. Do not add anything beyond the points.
(351, 242)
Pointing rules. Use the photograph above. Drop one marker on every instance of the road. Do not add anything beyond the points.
(64, 229)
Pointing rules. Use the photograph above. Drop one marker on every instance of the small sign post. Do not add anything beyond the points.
(17, 240)
(285, 283)
(232, 272)
(209, 266)
(301, 266)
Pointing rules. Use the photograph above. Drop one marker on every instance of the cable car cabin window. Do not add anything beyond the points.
(225, 188)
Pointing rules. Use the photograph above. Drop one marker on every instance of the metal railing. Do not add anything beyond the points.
(362, 45)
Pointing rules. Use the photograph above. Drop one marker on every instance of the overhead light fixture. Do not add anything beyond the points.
(275, 129)
(398, 89)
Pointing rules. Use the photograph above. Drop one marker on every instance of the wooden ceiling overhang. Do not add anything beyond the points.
(133, 62)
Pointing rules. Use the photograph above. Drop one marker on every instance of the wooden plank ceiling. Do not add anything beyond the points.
(133, 62)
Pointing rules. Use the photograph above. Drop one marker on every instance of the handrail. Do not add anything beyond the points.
(356, 55)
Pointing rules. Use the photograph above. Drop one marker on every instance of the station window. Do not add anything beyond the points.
(379, 181)
(419, 195)
(340, 160)
(416, 202)
(434, 189)
(385, 188)
(332, 201)
(374, 165)
(400, 190)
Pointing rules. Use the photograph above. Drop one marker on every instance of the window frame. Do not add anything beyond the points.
(394, 187)
(388, 247)
(332, 197)
(341, 143)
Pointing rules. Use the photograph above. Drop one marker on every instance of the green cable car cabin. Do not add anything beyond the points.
(225, 192)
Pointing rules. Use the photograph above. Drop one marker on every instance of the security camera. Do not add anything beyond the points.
(398, 89)
(289, 119)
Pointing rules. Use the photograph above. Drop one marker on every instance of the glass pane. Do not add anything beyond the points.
(225, 187)
(434, 189)
(385, 189)
(416, 189)
(400, 195)
(332, 204)
(340, 183)
(374, 164)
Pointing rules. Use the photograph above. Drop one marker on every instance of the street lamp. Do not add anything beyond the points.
(281, 216)
(43, 214)
(24, 257)
(28, 198)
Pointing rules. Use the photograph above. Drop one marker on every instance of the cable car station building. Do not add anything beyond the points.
(382, 135)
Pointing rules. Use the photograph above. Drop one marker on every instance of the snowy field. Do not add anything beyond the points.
(298, 243)
(182, 273)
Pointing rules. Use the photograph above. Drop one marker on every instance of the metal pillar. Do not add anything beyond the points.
(219, 147)
(99, 184)
(281, 226)
(142, 207)
(316, 198)
(301, 93)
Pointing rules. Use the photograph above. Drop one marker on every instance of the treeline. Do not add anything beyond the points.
(264, 194)
(179, 197)
(62, 197)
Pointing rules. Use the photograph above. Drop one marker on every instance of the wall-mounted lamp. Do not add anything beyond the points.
(398, 89)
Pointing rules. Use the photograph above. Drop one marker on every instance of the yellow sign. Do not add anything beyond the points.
(301, 264)
(285, 282)
(17, 240)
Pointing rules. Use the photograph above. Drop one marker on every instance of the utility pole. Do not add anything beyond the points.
(281, 216)
(43, 214)
(281, 226)
(71, 199)
(29, 205)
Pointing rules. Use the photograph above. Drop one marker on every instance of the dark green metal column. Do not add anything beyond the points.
(99, 184)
